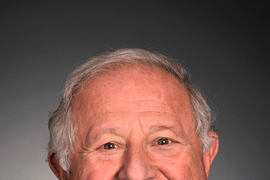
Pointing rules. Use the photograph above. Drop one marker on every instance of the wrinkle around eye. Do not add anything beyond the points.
(108, 154)
(167, 141)
(169, 149)
(163, 141)
(110, 146)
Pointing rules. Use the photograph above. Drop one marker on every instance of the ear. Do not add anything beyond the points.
(60, 173)
(210, 155)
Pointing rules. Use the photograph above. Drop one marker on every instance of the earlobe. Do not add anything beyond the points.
(55, 166)
(210, 155)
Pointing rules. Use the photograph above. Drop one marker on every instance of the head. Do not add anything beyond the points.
(131, 114)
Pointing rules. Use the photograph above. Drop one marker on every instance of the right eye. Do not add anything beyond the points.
(109, 146)
(163, 141)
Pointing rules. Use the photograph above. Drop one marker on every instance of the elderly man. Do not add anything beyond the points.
(131, 114)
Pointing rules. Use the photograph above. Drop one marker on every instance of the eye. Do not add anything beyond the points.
(163, 141)
(109, 146)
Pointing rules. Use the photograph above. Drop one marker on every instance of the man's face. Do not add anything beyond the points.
(135, 124)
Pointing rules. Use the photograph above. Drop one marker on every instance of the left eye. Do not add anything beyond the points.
(163, 141)
(109, 146)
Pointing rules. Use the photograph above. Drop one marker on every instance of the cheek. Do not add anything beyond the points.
(98, 169)
(174, 168)
(184, 165)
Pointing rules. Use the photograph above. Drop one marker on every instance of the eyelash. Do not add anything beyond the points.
(159, 141)
(110, 144)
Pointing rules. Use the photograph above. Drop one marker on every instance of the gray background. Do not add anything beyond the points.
(223, 44)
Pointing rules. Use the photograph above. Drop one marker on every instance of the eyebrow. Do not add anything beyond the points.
(114, 131)
(160, 128)
(156, 128)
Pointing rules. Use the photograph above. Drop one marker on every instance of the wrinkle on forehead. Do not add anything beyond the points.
(133, 90)
(133, 107)
(138, 106)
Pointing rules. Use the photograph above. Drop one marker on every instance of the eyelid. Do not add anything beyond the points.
(103, 146)
(154, 142)
(117, 145)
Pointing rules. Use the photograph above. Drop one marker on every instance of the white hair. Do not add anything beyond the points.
(62, 125)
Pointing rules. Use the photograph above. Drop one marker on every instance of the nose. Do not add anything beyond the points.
(137, 166)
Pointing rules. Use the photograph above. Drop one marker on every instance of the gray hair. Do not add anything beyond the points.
(62, 125)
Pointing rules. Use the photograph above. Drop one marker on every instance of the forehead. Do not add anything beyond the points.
(142, 88)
